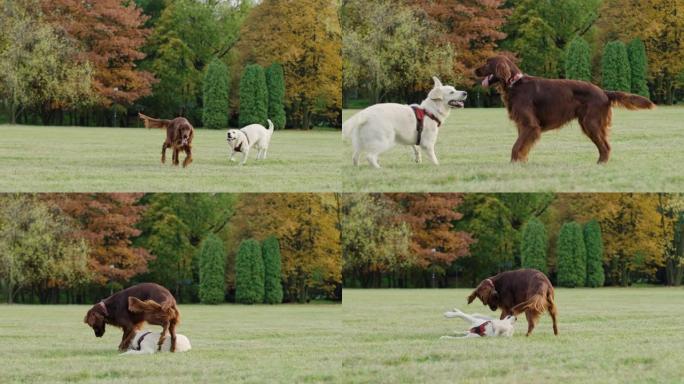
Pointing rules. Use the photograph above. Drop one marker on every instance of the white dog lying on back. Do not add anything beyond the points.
(145, 342)
(252, 136)
(482, 326)
(380, 127)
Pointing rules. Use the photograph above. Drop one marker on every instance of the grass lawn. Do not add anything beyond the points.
(80, 159)
(474, 149)
(608, 335)
(230, 343)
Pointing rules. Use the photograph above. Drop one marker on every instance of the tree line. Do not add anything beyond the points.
(100, 62)
(455, 240)
(78, 248)
(602, 41)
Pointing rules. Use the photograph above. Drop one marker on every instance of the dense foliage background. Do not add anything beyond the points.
(78, 248)
(456, 240)
(555, 39)
(74, 62)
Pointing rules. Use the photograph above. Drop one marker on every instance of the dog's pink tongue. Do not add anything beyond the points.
(485, 81)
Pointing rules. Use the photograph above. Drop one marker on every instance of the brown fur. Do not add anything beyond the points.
(537, 105)
(521, 291)
(131, 307)
(179, 135)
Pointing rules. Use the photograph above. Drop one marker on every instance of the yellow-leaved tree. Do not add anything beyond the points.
(307, 40)
(307, 226)
(660, 25)
(631, 227)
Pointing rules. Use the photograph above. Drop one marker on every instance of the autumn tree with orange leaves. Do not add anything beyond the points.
(472, 27)
(107, 223)
(111, 35)
(431, 217)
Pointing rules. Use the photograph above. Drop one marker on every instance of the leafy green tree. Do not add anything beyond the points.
(253, 96)
(615, 67)
(378, 36)
(534, 245)
(594, 246)
(249, 273)
(39, 247)
(488, 220)
(37, 64)
(168, 240)
(571, 255)
(275, 80)
(578, 60)
(638, 63)
(215, 94)
(212, 259)
(273, 288)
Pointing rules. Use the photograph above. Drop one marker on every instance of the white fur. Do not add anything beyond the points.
(252, 136)
(504, 328)
(149, 344)
(380, 127)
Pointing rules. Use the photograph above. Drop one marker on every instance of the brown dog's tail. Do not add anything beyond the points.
(153, 123)
(170, 310)
(629, 100)
(537, 303)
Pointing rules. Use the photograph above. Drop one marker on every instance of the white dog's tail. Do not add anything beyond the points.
(349, 126)
(271, 127)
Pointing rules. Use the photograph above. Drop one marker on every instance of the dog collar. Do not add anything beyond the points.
(481, 329)
(140, 340)
(515, 79)
(420, 117)
(104, 307)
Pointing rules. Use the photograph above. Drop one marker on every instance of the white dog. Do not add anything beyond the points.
(252, 136)
(145, 342)
(380, 127)
(482, 326)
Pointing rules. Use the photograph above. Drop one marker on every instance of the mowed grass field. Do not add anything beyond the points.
(607, 335)
(474, 149)
(82, 159)
(230, 344)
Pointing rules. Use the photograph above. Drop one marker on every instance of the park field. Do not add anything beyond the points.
(607, 335)
(474, 149)
(81, 159)
(230, 344)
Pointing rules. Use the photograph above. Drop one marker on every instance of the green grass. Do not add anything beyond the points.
(606, 336)
(474, 148)
(230, 343)
(80, 159)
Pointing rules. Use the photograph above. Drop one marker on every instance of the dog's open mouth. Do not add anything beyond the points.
(455, 104)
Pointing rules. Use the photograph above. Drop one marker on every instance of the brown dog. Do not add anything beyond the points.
(523, 290)
(538, 105)
(179, 134)
(131, 307)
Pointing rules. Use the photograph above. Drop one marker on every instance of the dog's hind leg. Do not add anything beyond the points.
(532, 317)
(595, 125)
(172, 332)
(553, 312)
(162, 336)
(373, 160)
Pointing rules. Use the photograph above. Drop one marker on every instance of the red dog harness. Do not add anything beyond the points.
(420, 117)
(480, 330)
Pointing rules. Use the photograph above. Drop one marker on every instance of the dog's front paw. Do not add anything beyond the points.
(231, 159)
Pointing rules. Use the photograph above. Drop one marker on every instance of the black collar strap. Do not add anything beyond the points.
(481, 329)
(140, 340)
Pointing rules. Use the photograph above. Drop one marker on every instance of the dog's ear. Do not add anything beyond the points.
(472, 296)
(437, 82)
(436, 94)
(503, 71)
(136, 305)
